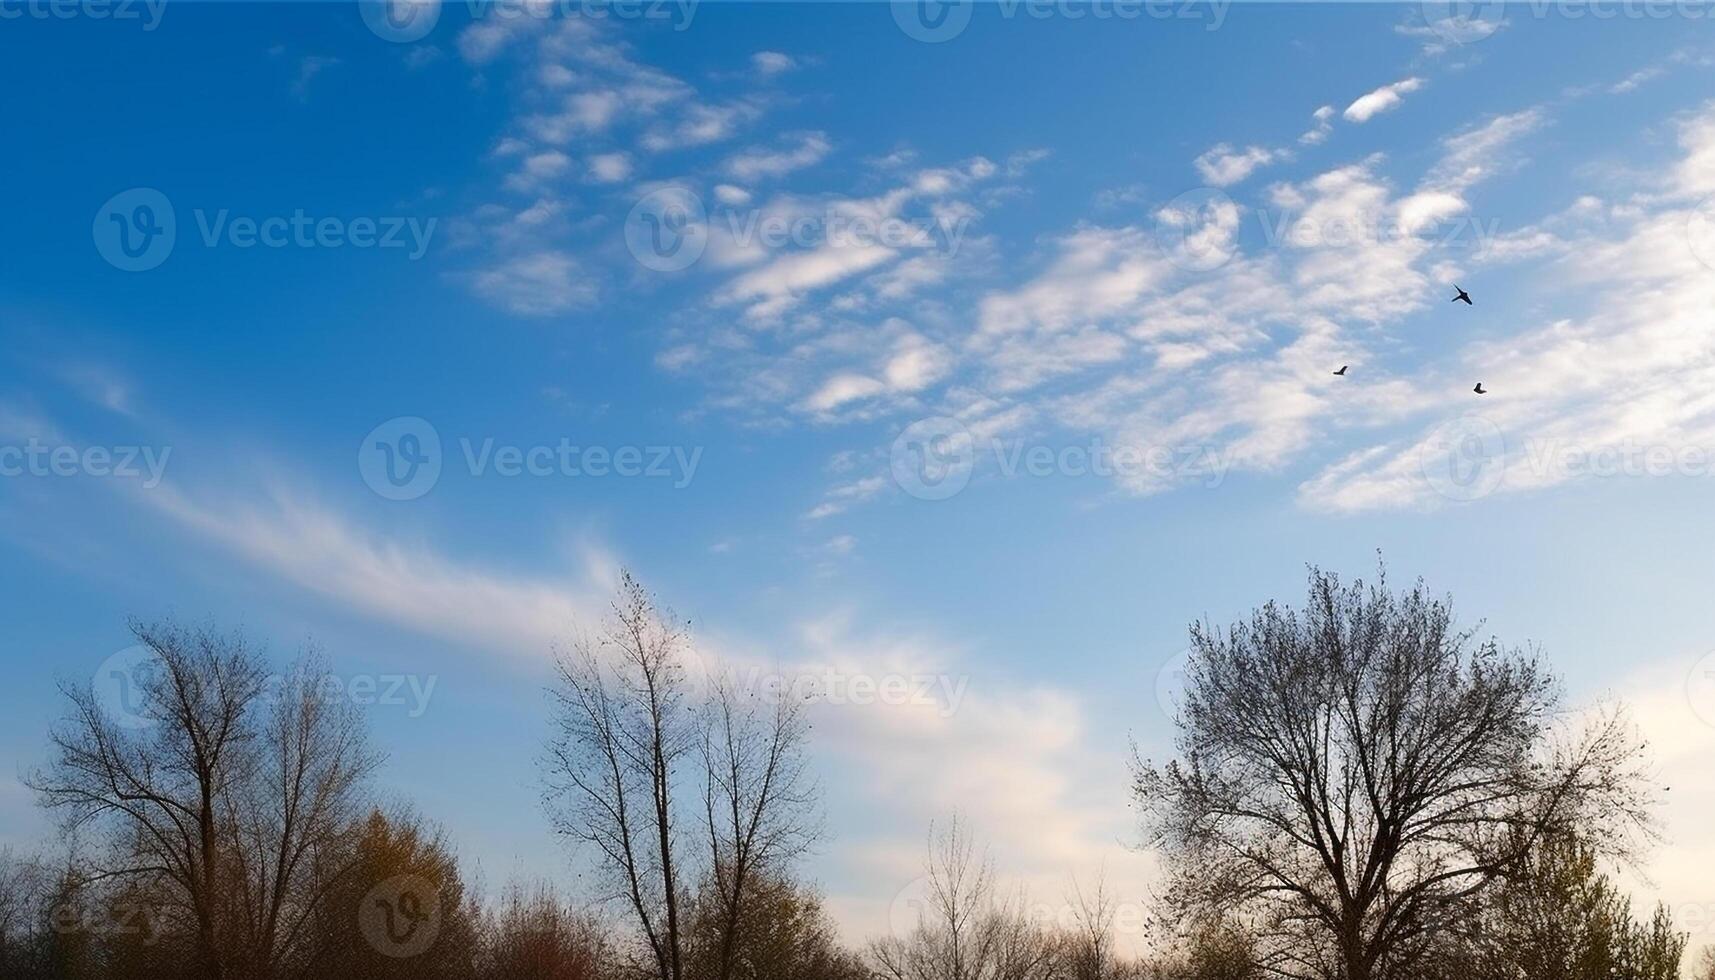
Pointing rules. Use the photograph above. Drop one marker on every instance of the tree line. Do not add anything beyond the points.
(1360, 790)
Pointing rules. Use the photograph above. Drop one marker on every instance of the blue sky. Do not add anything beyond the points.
(1142, 240)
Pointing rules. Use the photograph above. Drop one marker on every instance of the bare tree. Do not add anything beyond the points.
(224, 799)
(23, 886)
(758, 801)
(635, 745)
(965, 930)
(1356, 775)
(614, 767)
(1090, 947)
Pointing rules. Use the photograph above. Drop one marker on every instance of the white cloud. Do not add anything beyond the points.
(769, 63)
(537, 284)
(1323, 125)
(610, 168)
(414, 587)
(1223, 166)
(1636, 79)
(1626, 381)
(731, 196)
(756, 164)
(579, 113)
(1383, 99)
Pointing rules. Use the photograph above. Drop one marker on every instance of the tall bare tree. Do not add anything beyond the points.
(637, 747)
(614, 769)
(224, 794)
(1356, 775)
(759, 803)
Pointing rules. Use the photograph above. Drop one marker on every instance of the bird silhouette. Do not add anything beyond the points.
(1466, 297)
(1342, 371)
(1479, 389)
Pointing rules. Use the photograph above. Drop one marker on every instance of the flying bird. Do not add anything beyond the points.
(1466, 297)
(1479, 389)
(1342, 371)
